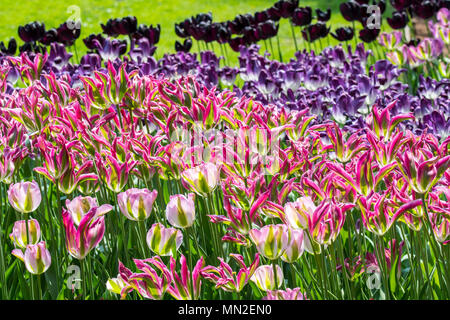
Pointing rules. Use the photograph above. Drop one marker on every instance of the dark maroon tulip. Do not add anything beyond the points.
(32, 47)
(49, 37)
(89, 41)
(369, 35)
(315, 31)
(180, 30)
(67, 35)
(184, 47)
(261, 16)
(363, 1)
(235, 43)
(302, 16)
(343, 34)
(32, 31)
(120, 26)
(399, 20)
(286, 7)
(268, 29)
(350, 10)
(223, 33)
(274, 14)
(425, 9)
(11, 49)
(323, 16)
(400, 5)
(150, 32)
(381, 4)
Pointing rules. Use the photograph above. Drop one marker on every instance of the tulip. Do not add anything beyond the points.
(185, 286)
(315, 31)
(399, 20)
(137, 204)
(295, 248)
(11, 49)
(323, 16)
(184, 47)
(180, 211)
(82, 238)
(164, 241)
(202, 179)
(37, 258)
(152, 283)
(368, 35)
(422, 174)
(343, 34)
(302, 16)
(225, 278)
(288, 294)
(19, 233)
(379, 214)
(25, 197)
(349, 10)
(114, 174)
(271, 240)
(390, 41)
(425, 9)
(428, 49)
(79, 206)
(401, 4)
(298, 212)
(327, 221)
(31, 32)
(67, 34)
(264, 277)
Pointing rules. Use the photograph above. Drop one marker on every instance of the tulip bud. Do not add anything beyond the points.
(264, 277)
(296, 248)
(82, 238)
(19, 233)
(37, 258)
(116, 285)
(164, 241)
(271, 240)
(180, 211)
(298, 212)
(24, 197)
(202, 179)
(137, 204)
(79, 206)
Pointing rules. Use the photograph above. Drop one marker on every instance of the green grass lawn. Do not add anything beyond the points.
(93, 12)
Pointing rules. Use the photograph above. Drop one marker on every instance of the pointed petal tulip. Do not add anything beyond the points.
(180, 211)
(264, 277)
(186, 285)
(25, 197)
(164, 241)
(296, 248)
(224, 277)
(19, 233)
(327, 221)
(79, 206)
(37, 258)
(137, 204)
(116, 285)
(81, 239)
(271, 240)
(297, 213)
(202, 179)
